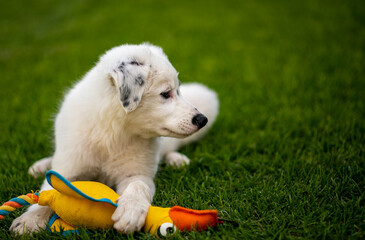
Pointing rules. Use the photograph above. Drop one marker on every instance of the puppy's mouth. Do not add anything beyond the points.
(176, 134)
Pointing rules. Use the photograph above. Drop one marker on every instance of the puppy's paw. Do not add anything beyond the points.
(40, 167)
(130, 215)
(176, 159)
(29, 223)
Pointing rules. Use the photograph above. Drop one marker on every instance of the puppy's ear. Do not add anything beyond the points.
(129, 79)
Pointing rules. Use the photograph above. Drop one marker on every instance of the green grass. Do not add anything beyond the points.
(285, 158)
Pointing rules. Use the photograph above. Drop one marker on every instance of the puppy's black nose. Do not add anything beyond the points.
(200, 120)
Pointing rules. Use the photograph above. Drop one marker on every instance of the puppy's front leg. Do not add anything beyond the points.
(136, 194)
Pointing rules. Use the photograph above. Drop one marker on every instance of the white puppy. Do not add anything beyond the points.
(109, 125)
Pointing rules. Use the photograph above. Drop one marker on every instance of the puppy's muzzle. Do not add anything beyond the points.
(199, 120)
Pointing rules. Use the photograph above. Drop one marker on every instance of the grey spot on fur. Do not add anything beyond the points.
(121, 67)
(139, 80)
(135, 62)
(125, 92)
(135, 99)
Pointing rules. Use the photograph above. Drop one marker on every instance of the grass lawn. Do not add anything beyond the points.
(286, 156)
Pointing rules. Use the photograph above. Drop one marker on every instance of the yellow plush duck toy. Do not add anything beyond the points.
(91, 205)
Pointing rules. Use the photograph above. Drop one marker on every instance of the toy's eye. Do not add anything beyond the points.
(166, 229)
(165, 95)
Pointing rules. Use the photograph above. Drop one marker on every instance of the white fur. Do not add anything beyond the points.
(109, 125)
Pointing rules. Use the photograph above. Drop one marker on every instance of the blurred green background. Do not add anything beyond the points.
(285, 158)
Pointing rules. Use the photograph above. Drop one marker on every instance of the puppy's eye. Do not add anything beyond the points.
(165, 95)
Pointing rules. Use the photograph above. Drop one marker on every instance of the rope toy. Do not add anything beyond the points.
(91, 205)
(18, 202)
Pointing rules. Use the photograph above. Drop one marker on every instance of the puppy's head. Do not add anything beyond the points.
(147, 87)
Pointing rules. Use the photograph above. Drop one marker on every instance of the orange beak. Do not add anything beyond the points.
(189, 219)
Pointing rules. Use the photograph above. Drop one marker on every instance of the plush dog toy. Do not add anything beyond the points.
(91, 205)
